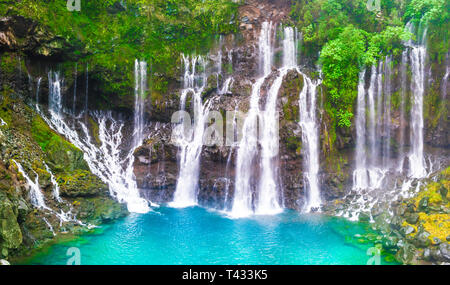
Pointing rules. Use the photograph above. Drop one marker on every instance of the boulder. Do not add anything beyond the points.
(10, 233)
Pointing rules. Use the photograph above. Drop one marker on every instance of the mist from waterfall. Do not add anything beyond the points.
(360, 178)
(247, 150)
(418, 53)
(376, 161)
(310, 140)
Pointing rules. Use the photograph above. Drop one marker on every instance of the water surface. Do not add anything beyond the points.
(198, 236)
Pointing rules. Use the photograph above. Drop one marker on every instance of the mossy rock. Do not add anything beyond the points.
(99, 209)
(81, 183)
(60, 153)
(10, 233)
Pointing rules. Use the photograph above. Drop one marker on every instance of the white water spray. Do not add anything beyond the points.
(191, 141)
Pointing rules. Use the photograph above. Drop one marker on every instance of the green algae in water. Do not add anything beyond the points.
(198, 236)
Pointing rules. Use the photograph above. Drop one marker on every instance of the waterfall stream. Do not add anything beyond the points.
(417, 58)
(374, 165)
(105, 158)
(310, 140)
(360, 179)
(55, 184)
(266, 190)
(36, 197)
(190, 140)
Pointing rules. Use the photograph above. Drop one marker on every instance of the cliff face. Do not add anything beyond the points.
(31, 150)
(28, 53)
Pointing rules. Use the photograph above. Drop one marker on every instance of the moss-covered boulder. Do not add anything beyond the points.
(59, 152)
(99, 209)
(81, 183)
(10, 233)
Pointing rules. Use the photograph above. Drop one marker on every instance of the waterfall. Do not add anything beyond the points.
(140, 75)
(38, 200)
(247, 150)
(444, 83)
(75, 90)
(191, 141)
(226, 86)
(54, 99)
(310, 140)
(372, 120)
(50, 227)
(38, 87)
(87, 90)
(417, 59)
(360, 179)
(107, 160)
(403, 87)
(267, 188)
(387, 112)
(372, 154)
(55, 184)
(36, 196)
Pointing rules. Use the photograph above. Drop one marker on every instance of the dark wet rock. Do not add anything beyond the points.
(412, 218)
(407, 253)
(18, 33)
(444, 249)
(364, 217)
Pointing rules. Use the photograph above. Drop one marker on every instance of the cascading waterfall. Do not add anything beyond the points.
(378, 158)
(247, 150)
(140, 75)
(417, 59)
(372, 123)
(55, 184)
(387, 113)
(54, 100)
(191, 141)
(86, 98)
(267, 188)
(403, 86)
(360, 178)
(38, 200)
(105, 161)
(38, 87)
(268, 200)
(310, 140)
(75, 90)
(36, 197)
(372, 155)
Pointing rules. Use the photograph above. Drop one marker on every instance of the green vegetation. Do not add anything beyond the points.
(110, 35)
(349, 36)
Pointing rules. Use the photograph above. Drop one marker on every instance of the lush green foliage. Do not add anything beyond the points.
(345, 35)
(113, 36)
